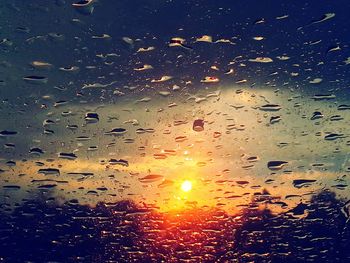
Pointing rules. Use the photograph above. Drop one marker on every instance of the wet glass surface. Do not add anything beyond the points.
(174, 131)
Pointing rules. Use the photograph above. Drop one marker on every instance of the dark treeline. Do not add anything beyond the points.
(42, 231)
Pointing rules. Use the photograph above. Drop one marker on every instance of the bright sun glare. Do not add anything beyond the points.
(186, 186)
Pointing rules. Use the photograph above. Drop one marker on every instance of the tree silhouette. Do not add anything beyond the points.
(41, 230)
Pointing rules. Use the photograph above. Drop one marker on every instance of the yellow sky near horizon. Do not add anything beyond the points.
(227, 162)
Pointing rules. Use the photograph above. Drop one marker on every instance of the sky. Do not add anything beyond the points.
(269, 80)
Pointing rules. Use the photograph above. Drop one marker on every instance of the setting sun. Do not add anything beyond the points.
(186, 186)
